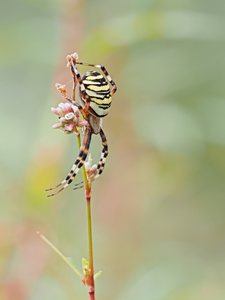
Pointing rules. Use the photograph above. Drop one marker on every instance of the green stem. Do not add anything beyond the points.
(87, 187)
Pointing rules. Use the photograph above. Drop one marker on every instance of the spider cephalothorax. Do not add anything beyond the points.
(96, 98)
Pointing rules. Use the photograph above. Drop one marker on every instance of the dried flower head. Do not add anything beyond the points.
(72, 57)
(62, 89)
(69, 117)
(91, 170)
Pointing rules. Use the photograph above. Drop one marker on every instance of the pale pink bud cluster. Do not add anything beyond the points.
(69, 117)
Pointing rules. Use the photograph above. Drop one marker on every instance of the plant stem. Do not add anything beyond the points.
(87, 188)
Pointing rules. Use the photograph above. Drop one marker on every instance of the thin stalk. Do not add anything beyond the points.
(87, 188)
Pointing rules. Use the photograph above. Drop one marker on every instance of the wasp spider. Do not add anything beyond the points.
(96, 97)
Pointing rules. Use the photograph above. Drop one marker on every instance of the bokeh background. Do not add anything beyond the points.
(158, 210)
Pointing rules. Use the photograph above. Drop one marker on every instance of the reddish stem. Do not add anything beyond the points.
(92, 295)
(90, 246)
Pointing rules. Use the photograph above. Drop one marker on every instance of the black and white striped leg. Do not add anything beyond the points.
(106, 73)
(102, 161)
(104, 154)
(76, 166)
(77, 77)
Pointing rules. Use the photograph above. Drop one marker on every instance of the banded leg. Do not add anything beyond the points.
(77, 165)
(104, 154)
(102, 161)
(106, 73)
(77, 77)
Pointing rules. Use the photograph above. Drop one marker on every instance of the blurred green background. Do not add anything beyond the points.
(158, 210)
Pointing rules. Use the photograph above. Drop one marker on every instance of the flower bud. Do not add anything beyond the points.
(70, 116)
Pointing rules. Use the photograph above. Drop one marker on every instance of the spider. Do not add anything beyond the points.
(96, 97)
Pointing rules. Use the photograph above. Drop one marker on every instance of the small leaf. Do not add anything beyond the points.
(67, 260)
(97, 274)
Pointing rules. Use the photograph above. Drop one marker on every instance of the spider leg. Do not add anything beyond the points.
(77, 164)
(78, 184)
(102, 161)
(84, 95)
(106, 73)
(77, 187)
(104, 154)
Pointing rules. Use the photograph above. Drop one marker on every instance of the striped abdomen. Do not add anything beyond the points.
(99, 92)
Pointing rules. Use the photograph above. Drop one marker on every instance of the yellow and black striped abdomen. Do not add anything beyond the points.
(98, 90)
